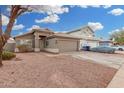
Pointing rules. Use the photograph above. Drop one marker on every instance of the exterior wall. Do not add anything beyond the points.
(105, 44)
(30, 36)
(40, 40)
(63, 44)
(67, 45)
(27, 40)
(41, 44)
(84, 33)
(52, 43)
(34, 40)
(91, 43)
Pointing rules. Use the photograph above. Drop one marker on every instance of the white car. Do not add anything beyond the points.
(117, 47)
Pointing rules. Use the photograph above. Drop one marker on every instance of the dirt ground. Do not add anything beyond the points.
(43, 70)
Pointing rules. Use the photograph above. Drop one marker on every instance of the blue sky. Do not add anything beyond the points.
(103, 19)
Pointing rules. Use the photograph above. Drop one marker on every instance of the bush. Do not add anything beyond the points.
(7, 55)
(23, 48)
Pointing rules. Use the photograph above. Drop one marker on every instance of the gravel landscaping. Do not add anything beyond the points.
(47, 70)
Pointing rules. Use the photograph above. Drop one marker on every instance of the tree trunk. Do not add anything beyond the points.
(1, 58)
(9, 28)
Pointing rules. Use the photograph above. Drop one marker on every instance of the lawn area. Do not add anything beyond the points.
(48, 70)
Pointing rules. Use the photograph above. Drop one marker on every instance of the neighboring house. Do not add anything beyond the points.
(87, 35)
(105, 43)
(10, 45)
(45, 39)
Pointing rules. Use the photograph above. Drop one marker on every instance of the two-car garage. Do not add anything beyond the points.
(64, 43)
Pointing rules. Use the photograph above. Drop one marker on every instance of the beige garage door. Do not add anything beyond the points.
(67, 45)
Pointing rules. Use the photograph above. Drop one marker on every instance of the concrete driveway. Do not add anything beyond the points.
(111, 60)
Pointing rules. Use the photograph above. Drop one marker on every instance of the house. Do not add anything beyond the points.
(87, 35)
(10, 45)
(105, 43)
(47, 40)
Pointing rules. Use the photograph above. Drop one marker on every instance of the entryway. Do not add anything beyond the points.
(42, 42)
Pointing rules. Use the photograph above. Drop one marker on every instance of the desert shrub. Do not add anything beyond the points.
(24, 48)
(7, 55)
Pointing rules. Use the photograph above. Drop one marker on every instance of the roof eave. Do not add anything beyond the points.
(78, 29)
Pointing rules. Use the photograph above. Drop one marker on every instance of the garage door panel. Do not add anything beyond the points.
(67, 45)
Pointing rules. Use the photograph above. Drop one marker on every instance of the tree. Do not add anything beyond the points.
(15, 12)
(118, 36)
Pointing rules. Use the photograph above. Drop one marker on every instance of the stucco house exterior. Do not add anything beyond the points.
(47, 40)
(87, 35)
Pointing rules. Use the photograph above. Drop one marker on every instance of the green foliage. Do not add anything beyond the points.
(118, 37)
(7, 55)
(120, 40)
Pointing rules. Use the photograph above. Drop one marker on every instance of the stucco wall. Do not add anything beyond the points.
(30, 36)
(91, 43)
(67, 45)
(27, 39)
(52, 43)
(85, 32)
(63, 44)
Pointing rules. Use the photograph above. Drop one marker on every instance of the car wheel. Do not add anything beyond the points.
(120, 49)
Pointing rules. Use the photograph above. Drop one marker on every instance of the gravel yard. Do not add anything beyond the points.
(48, 70)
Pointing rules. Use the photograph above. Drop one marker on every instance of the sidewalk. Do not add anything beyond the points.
(118, 80)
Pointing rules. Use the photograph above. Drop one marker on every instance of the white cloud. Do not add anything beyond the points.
(33, 27)
(5, 20)
(8, 9)
(83, 6)
(116, 12)
(20, 33)
(49, 19)
(49, 9)
(116, 30)
(87, 6)
(94, 6)
(95, 25)
(18, 27)
(58, 9)
(106, 6)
